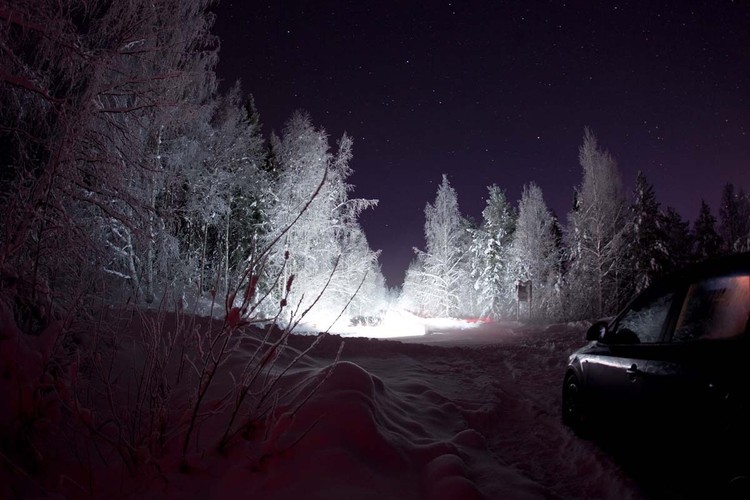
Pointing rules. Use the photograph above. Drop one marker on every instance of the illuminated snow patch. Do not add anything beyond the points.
(402, 323)
(395, 323)
(438, 325)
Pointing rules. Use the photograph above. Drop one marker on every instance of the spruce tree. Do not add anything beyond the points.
(707, 242)
(679, 239)
(647, 243)
(734, 220)
(446, 248)
(491, 255)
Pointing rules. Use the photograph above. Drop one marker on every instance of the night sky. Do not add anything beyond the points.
(500, 92)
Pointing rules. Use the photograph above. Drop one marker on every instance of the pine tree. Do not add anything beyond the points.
(213, 198)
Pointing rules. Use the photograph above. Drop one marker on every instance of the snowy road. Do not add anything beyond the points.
(506, 381)
(501, 382)
(511, 390)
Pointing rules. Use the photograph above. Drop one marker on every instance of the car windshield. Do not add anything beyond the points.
(644, 320)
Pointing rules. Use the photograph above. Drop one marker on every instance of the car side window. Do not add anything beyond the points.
(714, 308)
(643, 321)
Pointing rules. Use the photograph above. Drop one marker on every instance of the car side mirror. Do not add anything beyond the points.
(597, 331)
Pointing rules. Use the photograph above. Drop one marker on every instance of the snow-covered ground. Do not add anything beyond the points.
(458, 413)
(500, 385)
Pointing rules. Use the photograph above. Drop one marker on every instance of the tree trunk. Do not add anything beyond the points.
(133, 266)
(226, 253)
(148, 276)
(203, 259)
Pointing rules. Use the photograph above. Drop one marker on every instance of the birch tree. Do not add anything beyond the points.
(595, 233)
(437, 277)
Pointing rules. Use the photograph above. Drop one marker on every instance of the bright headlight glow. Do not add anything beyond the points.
(398, 322)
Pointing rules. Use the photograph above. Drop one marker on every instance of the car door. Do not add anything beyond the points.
(702, 372)
(620, 366)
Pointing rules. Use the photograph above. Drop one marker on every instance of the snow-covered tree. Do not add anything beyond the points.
(316, 220)
(435, 281)
(473, 300)
(535, 252)
(90, 91)
(415, 293)
(595, 234)
(707, 242)
(223, 192)
(491, 256)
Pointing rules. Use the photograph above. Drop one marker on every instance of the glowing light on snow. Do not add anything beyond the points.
(396, 323)
(401, 323)
(393, 323)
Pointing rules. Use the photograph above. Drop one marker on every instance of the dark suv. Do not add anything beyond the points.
(675, 361)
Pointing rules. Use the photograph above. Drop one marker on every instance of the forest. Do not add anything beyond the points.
(130, 182)
(128, 176)
(613, 245)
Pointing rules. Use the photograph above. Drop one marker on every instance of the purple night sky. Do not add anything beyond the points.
(500, 92)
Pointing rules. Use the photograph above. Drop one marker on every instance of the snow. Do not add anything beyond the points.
(465, 413)
(395, 323)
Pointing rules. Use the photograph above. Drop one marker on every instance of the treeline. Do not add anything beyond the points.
(612, 246)
(127, 176)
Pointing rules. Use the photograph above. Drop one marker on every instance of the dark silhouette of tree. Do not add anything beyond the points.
(648, 248)
(707, 242)
(734, 219)
(679, 240)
